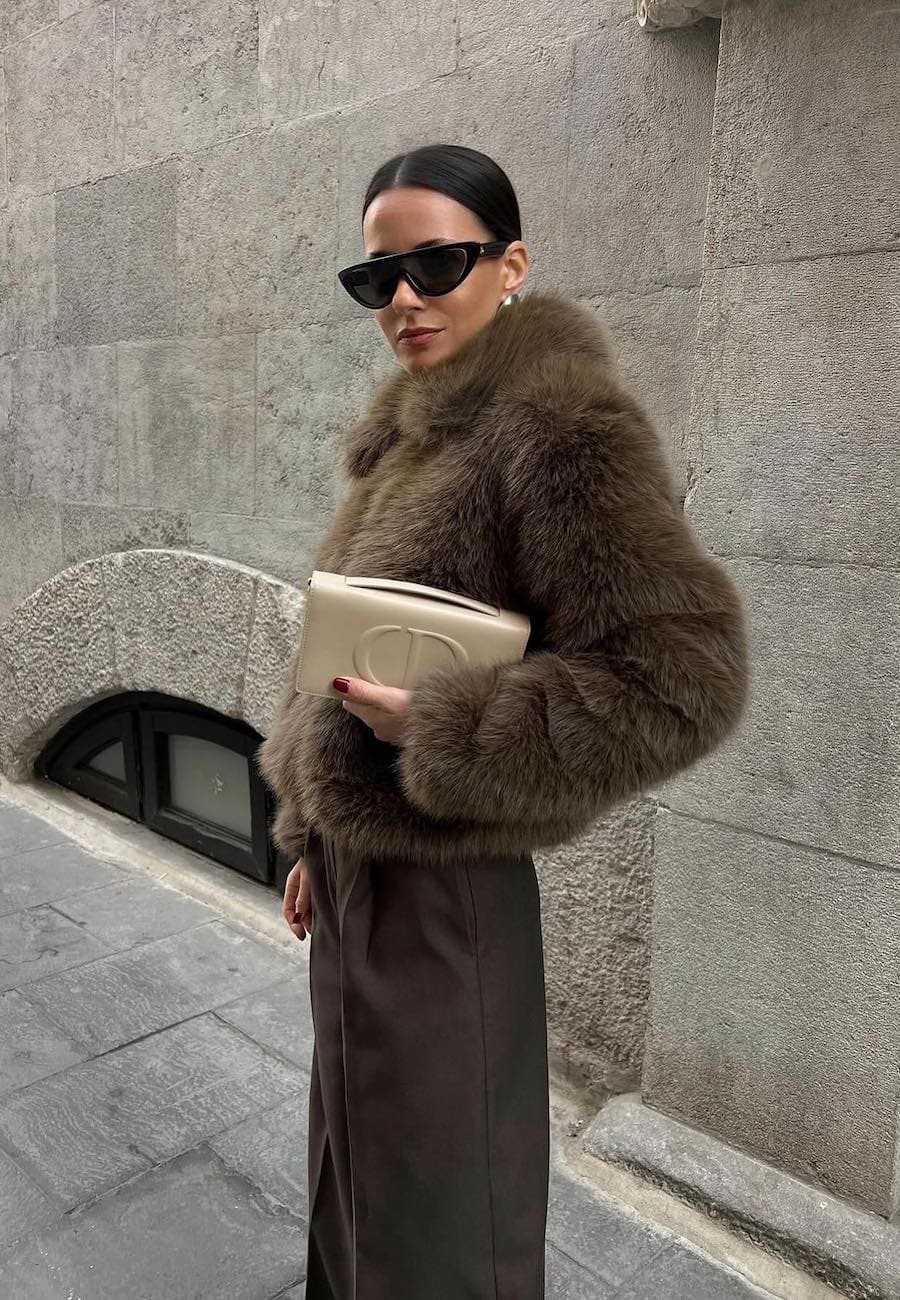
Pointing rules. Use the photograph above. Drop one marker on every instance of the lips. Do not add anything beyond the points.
(417, 333)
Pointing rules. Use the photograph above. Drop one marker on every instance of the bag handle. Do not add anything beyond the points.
(417, 589)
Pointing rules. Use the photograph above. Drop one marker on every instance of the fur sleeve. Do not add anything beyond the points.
(642, 668)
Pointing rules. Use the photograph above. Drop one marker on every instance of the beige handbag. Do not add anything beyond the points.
(391, 633)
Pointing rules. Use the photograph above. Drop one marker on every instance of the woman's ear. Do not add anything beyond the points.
(515, 267)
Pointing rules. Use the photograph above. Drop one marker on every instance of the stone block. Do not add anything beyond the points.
(133, 910)
(4, 181)
(312, 385)
(855, 1251)
(34, 1045)
(795, 410)
(638, 165)
(180, 624)
(679, 1271)
(94, 1125)
(20, 831)
(596, 915)
(317, 57)
(185, 75)
(24, 1207)
(815, 758)
(54, 874)
(186, 423)
(20, 18)
(256, 230)
(280, 547)
(804, 158)
(39, 941)
(278, 1017)
(89, 531)
(773, 1007)
(592, 1231)
(59, 649)
(654, 334)
(270, 1151)
(190, 1228)
(115, 253)
(30, 545)
(515, 28)
(567, 1280)
(59, 104)
(527, 106)
(156, 983)
(62, 423)
(277, 619)
(28, 274)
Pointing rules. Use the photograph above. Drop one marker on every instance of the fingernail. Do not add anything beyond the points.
(341, 684)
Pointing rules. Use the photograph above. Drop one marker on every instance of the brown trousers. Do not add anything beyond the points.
(429, 1134)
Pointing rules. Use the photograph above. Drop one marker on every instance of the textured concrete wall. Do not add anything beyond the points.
(776, 965)
(179, 181)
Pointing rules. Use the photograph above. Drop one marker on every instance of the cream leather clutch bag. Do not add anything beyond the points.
(391, 633)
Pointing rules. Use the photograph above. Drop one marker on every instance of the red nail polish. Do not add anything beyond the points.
(341, 684)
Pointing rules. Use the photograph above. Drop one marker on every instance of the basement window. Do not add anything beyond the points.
(185, 771)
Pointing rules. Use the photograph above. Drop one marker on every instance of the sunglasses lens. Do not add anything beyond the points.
(437, 270)
(371, 286)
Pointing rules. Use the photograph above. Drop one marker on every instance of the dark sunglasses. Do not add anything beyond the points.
(432, 271)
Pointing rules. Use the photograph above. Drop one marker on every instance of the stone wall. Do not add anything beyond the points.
(776, 926)
(180, 180)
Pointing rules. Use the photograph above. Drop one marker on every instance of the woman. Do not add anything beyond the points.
(504, 460)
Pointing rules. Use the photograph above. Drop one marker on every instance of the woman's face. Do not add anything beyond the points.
(396, 222)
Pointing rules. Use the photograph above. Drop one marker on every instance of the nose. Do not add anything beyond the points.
(405, 296)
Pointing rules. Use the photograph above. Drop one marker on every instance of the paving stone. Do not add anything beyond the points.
(279, 1018)
(86, 1130)
(49, 875)
(21, 831)
(132, 994)
(187, 1231)
(33, 1044)
(39, 941)
(24, 1207)
(270, 1150)
(596, 1234)
(566, 1279)
(19, 18)
(681, 1274)
(134, 911)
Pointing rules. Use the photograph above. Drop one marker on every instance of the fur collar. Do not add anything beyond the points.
(444, 401)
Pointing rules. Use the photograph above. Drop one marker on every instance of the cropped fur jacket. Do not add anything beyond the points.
(520, 472)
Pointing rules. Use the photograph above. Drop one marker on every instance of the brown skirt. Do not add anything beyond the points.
(429, 1133)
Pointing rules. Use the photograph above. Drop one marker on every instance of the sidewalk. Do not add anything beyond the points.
(153, 1089)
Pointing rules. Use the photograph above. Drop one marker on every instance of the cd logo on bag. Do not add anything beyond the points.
(423, 652)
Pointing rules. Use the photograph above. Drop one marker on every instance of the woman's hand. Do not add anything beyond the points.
(297, 906)
(383, 708)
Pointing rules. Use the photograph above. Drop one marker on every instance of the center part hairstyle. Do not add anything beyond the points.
(471, 178)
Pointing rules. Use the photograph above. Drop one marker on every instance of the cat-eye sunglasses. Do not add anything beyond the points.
(432, 271)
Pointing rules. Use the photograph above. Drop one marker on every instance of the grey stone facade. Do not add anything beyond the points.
(179, 182)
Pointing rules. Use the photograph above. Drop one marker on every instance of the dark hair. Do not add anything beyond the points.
(470, 177)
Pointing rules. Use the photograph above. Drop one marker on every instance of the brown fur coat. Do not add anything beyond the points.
(522, 473)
